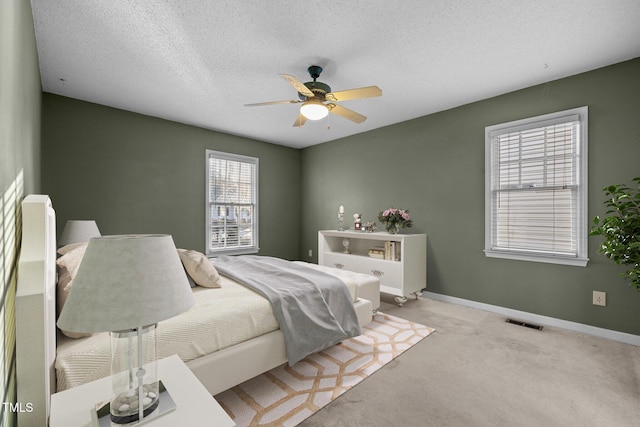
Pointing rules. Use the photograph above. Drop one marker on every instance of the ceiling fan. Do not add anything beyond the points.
(318, 100)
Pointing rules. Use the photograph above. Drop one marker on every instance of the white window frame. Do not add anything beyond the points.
(236, 248)
(579, 256)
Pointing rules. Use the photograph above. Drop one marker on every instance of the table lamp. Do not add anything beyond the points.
(125, 285)
(77, 231)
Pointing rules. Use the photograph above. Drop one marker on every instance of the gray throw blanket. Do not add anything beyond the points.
(314, 310)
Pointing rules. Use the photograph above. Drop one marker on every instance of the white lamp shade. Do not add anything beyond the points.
(126, 282)
(78, 231)
(314, 110)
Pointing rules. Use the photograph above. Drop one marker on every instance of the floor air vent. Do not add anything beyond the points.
(525, 324)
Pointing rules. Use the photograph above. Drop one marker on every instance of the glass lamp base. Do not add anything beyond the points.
(163, 405)
(133, 374)
(125, 406)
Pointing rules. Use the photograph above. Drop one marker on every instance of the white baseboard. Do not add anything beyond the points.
(541, 320)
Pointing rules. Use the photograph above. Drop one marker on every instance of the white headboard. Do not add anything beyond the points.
(36, 310)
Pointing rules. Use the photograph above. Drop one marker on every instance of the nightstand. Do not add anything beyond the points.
(194, 405)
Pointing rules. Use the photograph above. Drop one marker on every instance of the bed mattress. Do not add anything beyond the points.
(221, 317)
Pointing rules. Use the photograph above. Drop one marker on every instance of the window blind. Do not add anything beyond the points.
(535, 188)
(232, 203)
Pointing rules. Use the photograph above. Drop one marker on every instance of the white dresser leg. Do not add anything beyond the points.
(400, 300)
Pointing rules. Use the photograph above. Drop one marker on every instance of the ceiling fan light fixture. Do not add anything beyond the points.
(314, 110)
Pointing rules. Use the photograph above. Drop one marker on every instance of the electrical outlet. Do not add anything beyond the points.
(310, 253)
(599, 298)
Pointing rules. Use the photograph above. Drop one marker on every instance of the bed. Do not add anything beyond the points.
(43, 354)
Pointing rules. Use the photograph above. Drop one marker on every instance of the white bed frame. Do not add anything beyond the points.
(36, 310)
(36, 329)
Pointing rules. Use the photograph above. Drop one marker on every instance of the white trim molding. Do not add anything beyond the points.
(539, 319)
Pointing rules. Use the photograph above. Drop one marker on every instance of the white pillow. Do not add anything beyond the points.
(199, 268)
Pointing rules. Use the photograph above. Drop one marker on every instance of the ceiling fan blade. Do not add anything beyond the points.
(300, 121)
(346, 113)
(298, 85)
(272, 103)
(362, 92)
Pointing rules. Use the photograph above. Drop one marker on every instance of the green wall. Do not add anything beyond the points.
(434, 166)
(139, 174)
(19, 168)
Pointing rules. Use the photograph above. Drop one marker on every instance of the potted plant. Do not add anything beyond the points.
(621, 229)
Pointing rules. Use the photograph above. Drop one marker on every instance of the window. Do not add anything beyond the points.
(232, 204)
(536, 189)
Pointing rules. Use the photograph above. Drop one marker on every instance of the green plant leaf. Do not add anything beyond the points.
(621, 229)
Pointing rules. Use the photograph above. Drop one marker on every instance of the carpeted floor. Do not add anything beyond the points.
(287, 395)
(478, 370)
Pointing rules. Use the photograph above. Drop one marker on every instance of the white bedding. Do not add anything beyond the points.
(221, 318)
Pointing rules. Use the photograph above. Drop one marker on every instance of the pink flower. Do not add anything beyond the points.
(395, 216)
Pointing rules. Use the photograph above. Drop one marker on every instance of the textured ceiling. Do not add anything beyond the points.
(199, 61)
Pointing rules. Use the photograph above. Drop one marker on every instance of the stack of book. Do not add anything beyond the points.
(377, 252)
(390, 251)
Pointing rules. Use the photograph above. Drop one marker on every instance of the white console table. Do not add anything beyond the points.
(402, 273)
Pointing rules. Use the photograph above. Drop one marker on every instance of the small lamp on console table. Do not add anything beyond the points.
(125, 285)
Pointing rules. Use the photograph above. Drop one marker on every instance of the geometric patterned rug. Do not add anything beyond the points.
(286, 396)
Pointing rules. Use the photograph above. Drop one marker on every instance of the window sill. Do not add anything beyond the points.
(572, 261)
(243, 251)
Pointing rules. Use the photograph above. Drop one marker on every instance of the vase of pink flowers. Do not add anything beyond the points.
(395, 219)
